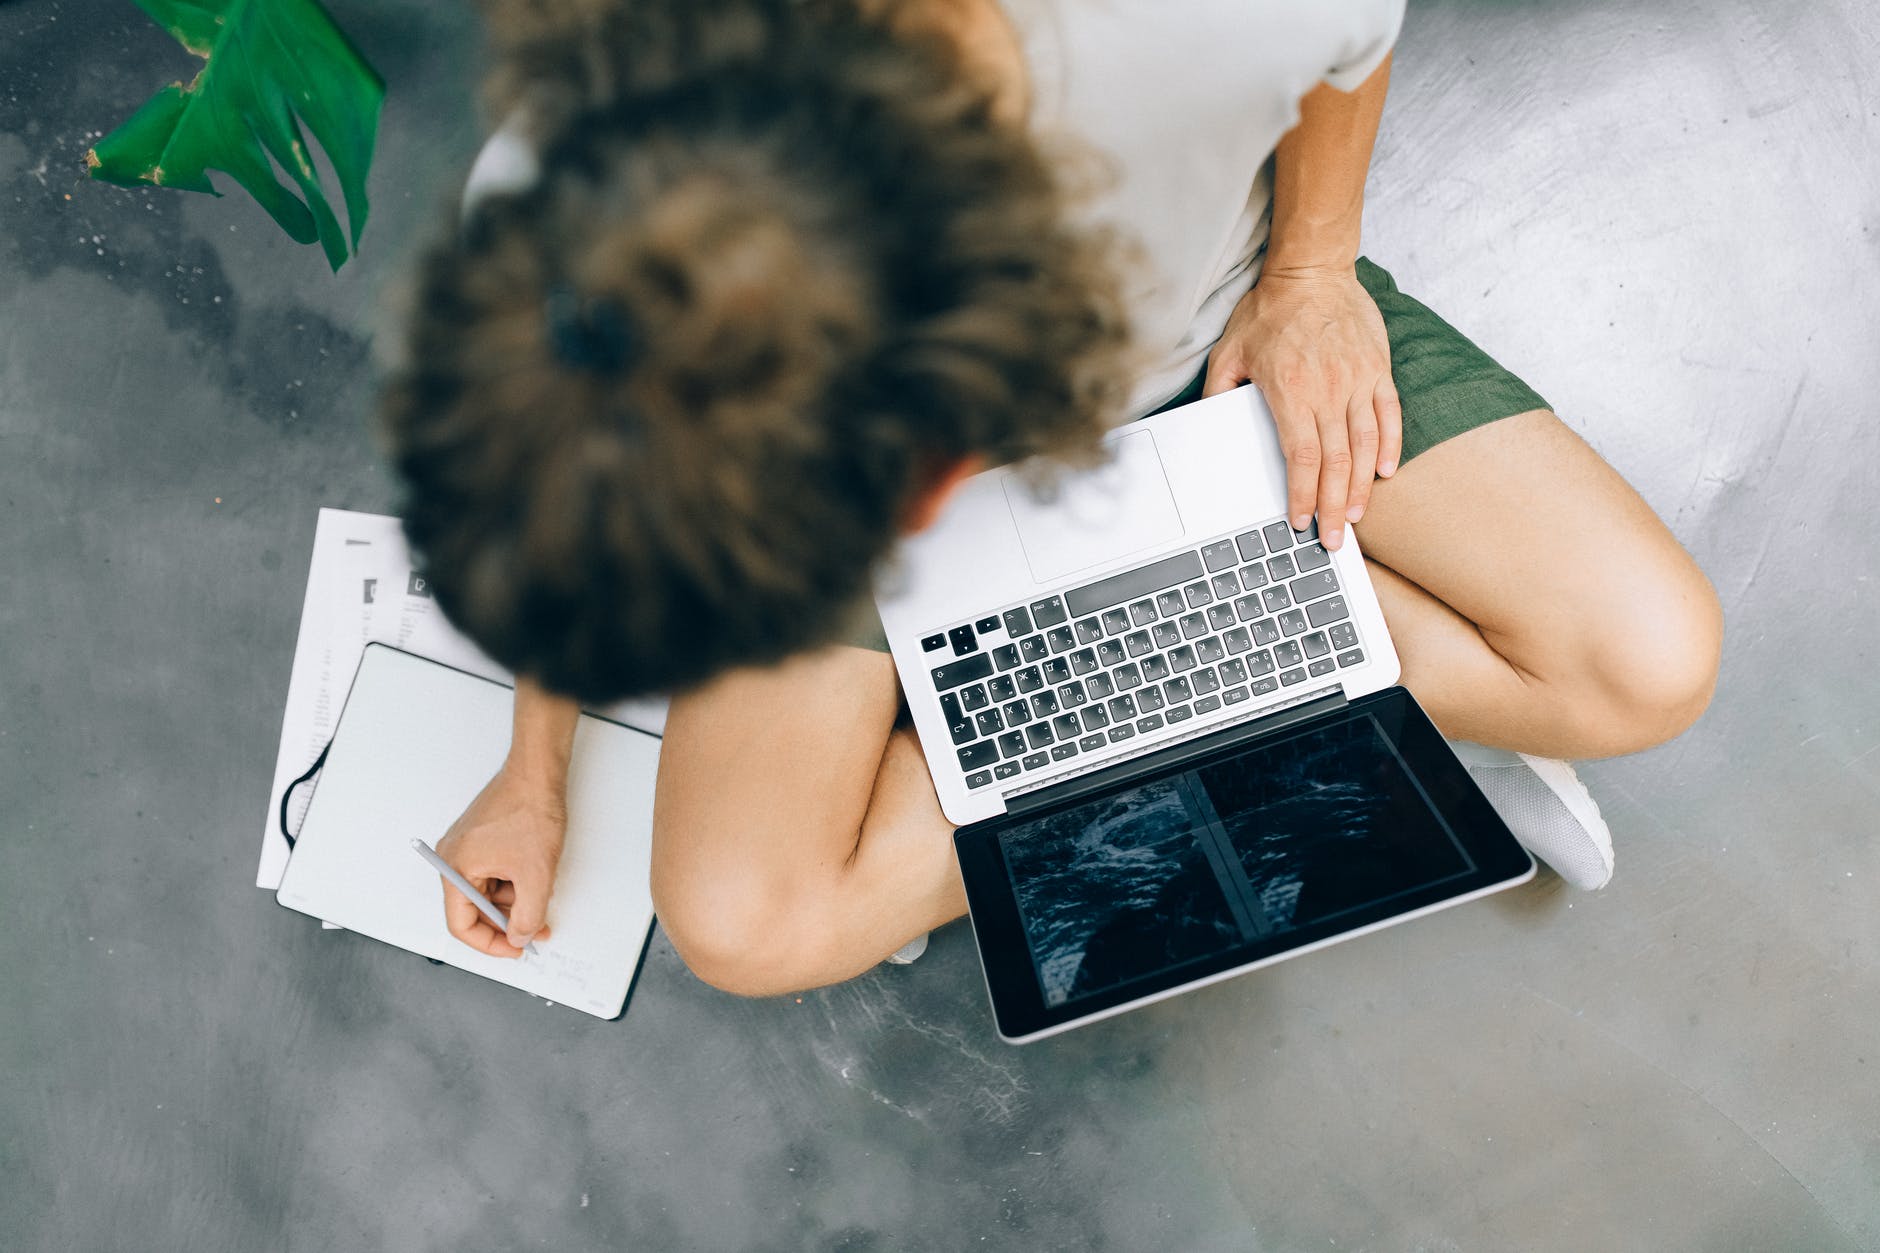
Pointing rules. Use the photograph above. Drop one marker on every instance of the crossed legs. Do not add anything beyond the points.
(1536, 603)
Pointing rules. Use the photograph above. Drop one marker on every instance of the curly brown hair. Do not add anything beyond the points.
(662, 412)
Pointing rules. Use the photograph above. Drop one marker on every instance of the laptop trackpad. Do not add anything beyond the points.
(1090, 517)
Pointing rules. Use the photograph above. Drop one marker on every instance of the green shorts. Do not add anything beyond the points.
(1445, 383)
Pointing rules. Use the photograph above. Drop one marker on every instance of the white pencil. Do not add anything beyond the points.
(462, 884)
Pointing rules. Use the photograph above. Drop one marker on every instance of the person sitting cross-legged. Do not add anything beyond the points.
(764, 281)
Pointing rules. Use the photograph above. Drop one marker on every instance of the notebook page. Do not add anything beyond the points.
(362, 586)
(416, 742)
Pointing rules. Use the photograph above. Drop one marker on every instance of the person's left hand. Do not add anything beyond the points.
(1314, 342)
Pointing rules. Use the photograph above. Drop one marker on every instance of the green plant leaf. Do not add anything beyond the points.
(270, 67)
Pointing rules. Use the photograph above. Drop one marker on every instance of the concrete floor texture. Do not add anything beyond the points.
(1666, 217)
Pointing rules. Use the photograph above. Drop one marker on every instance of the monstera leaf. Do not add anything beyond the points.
(271, 65)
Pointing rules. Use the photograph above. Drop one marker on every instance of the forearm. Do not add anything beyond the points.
(542, 735)
(1319, 170)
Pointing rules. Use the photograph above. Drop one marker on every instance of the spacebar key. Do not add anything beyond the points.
(977, 666)
(1132, 584)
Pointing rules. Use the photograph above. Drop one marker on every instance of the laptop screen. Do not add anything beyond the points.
(1296, 832)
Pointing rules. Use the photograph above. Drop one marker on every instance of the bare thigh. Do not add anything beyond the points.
(1557, 612)
(797, 839)
(1535, 599)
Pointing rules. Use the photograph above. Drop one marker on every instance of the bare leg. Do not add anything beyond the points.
(1536, 601)
(797, 839)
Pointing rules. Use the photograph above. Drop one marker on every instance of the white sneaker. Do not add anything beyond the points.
(909, 952)
(1548, 809)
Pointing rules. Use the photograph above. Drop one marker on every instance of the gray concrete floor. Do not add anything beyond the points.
(1667, 217)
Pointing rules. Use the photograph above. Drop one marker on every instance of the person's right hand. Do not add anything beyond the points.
(507, 844)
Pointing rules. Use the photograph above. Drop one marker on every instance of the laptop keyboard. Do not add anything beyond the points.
(1141, 652)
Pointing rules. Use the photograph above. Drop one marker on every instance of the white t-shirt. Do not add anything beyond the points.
(1184, 104)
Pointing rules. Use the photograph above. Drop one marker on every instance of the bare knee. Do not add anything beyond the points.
(732, 944)
(740, 929)
(732, 932)
(1645, 670)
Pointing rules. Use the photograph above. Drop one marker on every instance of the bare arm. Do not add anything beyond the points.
(508, 842)
(542, 735)
(1308, 333)
(1319, 170)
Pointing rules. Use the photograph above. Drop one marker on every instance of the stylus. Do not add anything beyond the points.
(462, 884)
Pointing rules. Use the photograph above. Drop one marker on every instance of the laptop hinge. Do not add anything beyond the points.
(1175, 755)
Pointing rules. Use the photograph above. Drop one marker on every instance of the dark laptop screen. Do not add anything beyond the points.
(1291, 832)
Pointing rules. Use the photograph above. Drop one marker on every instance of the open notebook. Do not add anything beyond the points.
(415, 743)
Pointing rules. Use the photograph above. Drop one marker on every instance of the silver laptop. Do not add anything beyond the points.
(1045, 629)
(1166, 726)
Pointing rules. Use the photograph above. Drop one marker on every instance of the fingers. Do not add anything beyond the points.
(1389, 426)
(1334, 479)
(1322, 361)
(1361, 423)
(1225, 373)
(503, 896)
(506, 845)
(460, 916)
(1302, 479)
(528, 913)
(466, 923)
(1333, 459)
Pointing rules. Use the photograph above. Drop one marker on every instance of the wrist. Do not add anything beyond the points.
(1301, 243)
(537, 770)
(542, 738)
(1314, 262)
